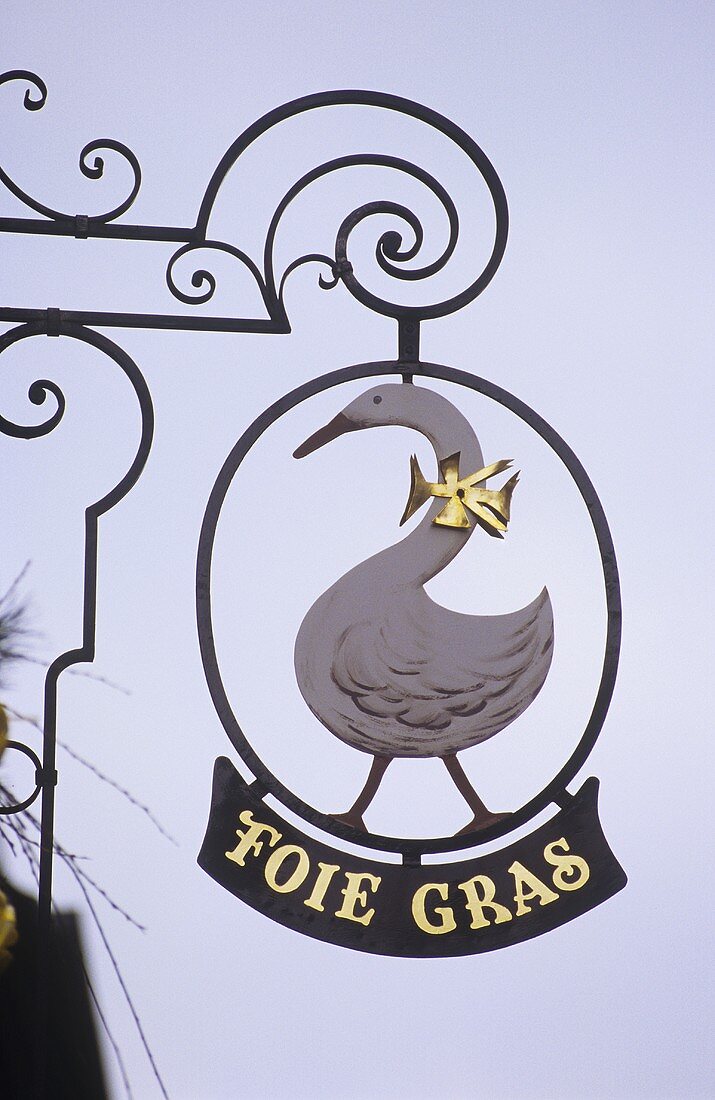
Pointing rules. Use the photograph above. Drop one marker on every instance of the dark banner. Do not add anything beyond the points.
(561, 870)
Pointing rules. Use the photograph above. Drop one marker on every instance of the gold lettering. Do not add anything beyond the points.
(567, 866)
(352, 895)
(275, 862)
(447, 921)
(476, 904)
(249, 841)
(537, 889)
(322, 882)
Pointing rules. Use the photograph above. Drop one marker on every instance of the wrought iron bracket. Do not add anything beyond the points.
(392, 254)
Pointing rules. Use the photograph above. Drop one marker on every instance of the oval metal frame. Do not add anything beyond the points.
(555, 791)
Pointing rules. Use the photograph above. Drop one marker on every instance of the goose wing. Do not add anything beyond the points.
(439, 680)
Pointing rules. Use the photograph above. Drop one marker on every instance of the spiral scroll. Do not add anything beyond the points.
(93, 170)
(388, 251)
(31, 78)
(204, 281)
(37, 393)
(391, 252)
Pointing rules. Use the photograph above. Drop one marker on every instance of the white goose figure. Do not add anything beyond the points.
(385, 668)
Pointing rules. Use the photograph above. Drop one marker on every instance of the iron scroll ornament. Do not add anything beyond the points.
(556, 790)
(391, 253)
(93, 170)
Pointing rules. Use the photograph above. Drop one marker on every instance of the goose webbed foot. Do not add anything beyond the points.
(481, 821)
(483, 817)
(353, 816)
(352, 819)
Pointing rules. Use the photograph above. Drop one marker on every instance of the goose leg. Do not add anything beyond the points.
(354, 814)
(482, 816)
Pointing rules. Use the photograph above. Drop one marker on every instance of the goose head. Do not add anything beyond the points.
(378, 407)
(394, 404)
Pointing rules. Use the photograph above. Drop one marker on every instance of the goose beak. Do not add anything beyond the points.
(339, 425)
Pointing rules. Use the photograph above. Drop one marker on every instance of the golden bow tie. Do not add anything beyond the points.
(491, 507)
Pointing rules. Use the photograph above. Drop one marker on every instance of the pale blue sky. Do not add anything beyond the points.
(595, 117)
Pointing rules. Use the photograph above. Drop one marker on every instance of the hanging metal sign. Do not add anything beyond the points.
(383, 668)
(388, 671)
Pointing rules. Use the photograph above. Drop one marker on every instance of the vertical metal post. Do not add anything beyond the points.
(44, 953)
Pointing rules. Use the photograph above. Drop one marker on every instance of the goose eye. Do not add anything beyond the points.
(377, 400)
